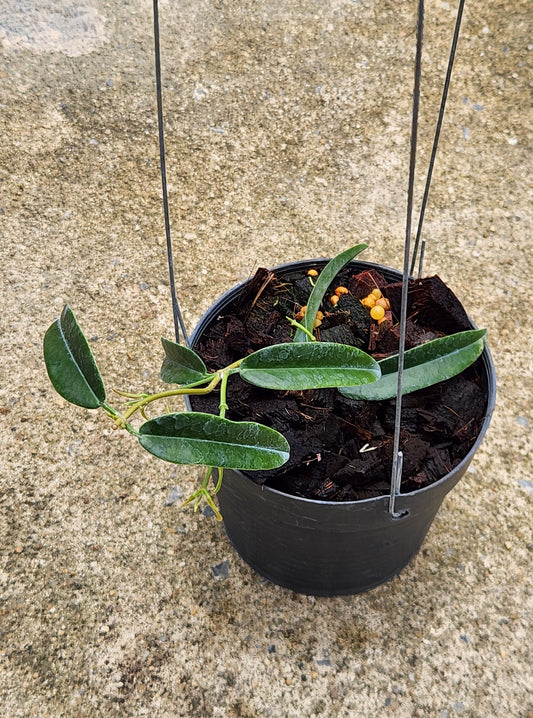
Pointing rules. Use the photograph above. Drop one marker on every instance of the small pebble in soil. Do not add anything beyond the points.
(221, 570)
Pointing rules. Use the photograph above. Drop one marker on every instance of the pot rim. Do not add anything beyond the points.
(486, 357)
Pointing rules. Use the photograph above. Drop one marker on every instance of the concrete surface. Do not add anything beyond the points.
(287, 132)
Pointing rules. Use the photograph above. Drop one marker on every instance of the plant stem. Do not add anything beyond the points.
(203, 492)
(302, 328)
(145, 399)
(223, 388)
(113, 413)
(130, 395)
(219, 480)
(207, 476)
(141, 403)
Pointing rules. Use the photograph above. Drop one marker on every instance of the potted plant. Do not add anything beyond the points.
(316, 342)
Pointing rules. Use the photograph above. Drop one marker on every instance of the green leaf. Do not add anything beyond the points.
(327, 275)
(313, 365)
(70, 363)
(196, 438)
(181, 365)
(424, 365)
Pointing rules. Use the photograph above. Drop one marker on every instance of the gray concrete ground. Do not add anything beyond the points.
(287, 131)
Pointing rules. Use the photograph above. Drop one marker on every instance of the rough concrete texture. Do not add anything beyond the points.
(287, 136)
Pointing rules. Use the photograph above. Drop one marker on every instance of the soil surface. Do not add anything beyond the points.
(341, 449)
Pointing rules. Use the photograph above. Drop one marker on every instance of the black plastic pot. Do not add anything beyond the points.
(328, 548)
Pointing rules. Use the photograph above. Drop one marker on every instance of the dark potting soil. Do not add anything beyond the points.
(341, 449)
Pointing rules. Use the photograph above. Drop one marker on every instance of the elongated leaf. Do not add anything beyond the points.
(313, 365)
(327, 275)
(424, 365)
(196, 438)
(181, 365)
(70, 363)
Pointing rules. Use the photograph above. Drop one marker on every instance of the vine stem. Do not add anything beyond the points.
(219, 480)
(301, 326)
(190, 390)
(183, 391)
(203, 492)
(223, 406)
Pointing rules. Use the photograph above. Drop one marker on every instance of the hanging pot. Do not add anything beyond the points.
(326, 548)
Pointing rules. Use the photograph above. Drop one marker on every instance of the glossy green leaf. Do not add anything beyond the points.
(70, 363)
(312, 365)
(326, 276)
(181, 365)
(424, 365)
(196, 438)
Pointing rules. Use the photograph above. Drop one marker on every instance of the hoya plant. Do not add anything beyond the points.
(218, 443)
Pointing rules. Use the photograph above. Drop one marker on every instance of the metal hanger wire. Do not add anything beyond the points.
(409, 262)
(436, 140)
(397, 455)
(176, 311)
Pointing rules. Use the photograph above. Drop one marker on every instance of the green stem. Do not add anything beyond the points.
(113, 413)
(203, 493)
(219, 480)
(303, 329)
(223, 388)
(207, 476)
(130, 395)
(182, 391)
(221, 375)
